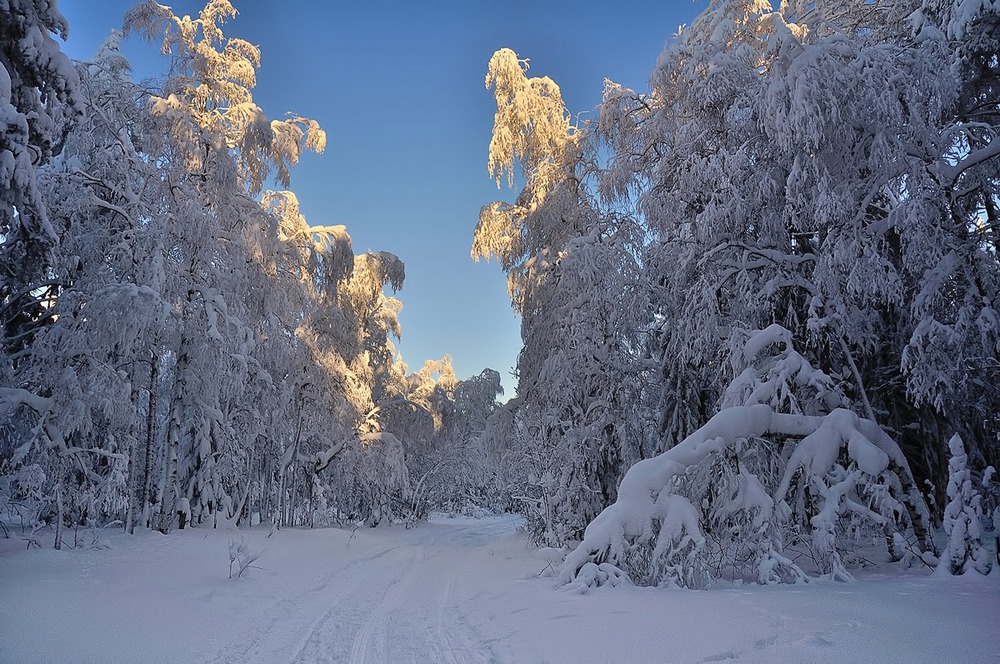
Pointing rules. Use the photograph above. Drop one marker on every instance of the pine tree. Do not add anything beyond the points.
(39, 98)
(962, 514)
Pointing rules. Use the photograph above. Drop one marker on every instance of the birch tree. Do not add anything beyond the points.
(571, 276)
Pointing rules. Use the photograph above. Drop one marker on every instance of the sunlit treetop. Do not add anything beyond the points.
(213, 77)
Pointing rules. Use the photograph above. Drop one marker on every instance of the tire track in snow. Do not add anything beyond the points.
(443, 637)
(315, 646)
(451, 637)
(415, 619)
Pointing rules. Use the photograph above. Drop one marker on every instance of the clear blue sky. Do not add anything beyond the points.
(398, 87)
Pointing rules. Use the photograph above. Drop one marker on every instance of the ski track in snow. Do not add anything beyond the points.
(372, 636)
(369, 605)
(262, 648)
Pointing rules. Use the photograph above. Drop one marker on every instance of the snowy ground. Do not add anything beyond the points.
(455, 590)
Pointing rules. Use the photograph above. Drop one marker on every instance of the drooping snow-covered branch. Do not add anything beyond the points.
(663, 525)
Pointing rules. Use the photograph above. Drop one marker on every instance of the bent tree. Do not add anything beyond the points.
(782, 467)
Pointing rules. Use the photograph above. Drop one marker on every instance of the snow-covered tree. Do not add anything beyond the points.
(766, 210)
(159, 415)
(781, 466)
(39, 96)
(85, 367)
(209, 94)
(468, 478)
(691, 153)
(221, 149)
(952, 356)
(571, 276)
(826, 175)
(962, 515)
(440, 421)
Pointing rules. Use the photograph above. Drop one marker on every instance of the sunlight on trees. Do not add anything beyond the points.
(254, 376)
(757, 301)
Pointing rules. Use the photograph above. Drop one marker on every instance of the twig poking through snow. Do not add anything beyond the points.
(240, 556)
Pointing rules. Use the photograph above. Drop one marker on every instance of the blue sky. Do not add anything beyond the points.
(398, 87)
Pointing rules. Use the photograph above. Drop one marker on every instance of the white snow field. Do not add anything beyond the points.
(454, 590)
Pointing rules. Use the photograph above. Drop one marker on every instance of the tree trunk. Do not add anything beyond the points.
(129, 525)
(281, 500)
(311, 478)
(59, 517)
(147, 471)
(175, 426)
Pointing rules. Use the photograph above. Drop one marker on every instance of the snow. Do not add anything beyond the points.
(453, 590)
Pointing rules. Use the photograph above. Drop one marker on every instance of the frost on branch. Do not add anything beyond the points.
(532, 125)
(208, 100)
(965, 548)
(532, 134)
(785, 469)
(38, 87)
(777, 379)
(954, 18)
(322, 255)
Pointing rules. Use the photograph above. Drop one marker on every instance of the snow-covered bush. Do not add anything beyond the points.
(369, 483)
(991, 507)
(240, 557)
(784, 469)
(385, 480)
(23, 497)
(965, 548)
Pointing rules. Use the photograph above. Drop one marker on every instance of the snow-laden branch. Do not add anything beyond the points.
(712, 486)
(643, 507)
(13, 397)
(649, 514)
(948, 173)
(324, 458)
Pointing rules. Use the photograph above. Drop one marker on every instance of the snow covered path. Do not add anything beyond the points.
(385, 595)
(454, 591)
(393, 603)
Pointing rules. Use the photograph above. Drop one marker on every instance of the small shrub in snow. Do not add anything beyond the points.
(962, 514)
(240, 557)
(553, 558)
(593, 574)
